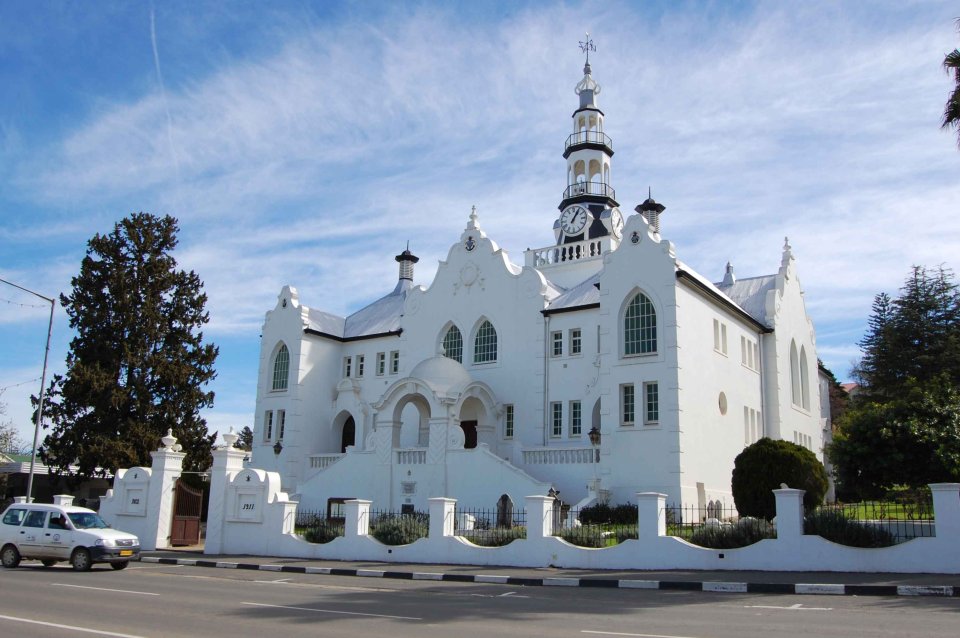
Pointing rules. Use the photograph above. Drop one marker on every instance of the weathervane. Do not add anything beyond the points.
(587, 46)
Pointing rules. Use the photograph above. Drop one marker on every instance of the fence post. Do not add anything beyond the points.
(946, 509)
(789, 512)
(539, 516)
(356, 518)
(651, 514)
(441, 516)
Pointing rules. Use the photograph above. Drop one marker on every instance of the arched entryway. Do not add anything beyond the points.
(348, 434)
(412, 419)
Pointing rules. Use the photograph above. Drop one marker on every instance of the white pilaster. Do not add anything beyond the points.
(651, 514)
(442, 516)
(946, 509)
(356, 518)
(226, 463)
(539, 516)
(789, 512)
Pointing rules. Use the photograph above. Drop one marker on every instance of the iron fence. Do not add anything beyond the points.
(599, 525)
(317, 527)
(490, 527)
(872, 523)
(705, 524)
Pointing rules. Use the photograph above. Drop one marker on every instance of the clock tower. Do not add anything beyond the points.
(589, 208)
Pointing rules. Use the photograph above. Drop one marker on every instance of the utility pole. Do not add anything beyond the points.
(43, 386)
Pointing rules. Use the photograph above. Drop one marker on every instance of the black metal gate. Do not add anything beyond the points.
(187, 508)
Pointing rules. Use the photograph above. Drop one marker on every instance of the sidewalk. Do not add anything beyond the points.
(833, 583)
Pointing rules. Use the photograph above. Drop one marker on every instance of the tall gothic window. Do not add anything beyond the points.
(453, 344)
(485, 344)
(281, 368)
(640, 326)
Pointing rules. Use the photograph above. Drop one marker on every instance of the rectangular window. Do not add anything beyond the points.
(557, 338)
(627, 404)
(743, 350)
(723, 338)
(360, 359)
(576, 426)
(281, 422)
(756, 356)
(268, 426)
(508, 422)
(556, 418)
(576, 342)
(381, 363)
(347, 367)
(747, 430)
(652, 398)
(395, 362)
(716, 334)
(598, 339)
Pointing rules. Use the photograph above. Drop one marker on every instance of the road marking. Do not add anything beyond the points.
(614, 633)
(154, 567)
(270, 582)
(332, 611)
(797, 607)
(118, 591)
(69, 627)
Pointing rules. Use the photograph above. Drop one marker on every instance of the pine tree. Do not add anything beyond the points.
(138, 363)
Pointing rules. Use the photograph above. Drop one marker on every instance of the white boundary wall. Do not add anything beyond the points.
(250, 515)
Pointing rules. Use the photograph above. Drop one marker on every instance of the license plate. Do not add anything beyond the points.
(126, 552)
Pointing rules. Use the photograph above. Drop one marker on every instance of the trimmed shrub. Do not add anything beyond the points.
(763, 466)
(731, 536)
(834, 526)
(497, 537)
(584, 536)
(403, 529)
(623, 514)
(323, 531)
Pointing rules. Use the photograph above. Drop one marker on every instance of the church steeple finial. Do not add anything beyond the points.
(406, 259)
(587, 88)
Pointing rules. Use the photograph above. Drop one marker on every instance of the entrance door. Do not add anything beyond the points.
(187, 507)
(349, 435)
(469, 434)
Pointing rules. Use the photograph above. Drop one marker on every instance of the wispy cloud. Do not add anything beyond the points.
(312, 161)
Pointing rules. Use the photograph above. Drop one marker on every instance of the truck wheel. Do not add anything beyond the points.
(80, 559)
(121, 565)
(10, 557)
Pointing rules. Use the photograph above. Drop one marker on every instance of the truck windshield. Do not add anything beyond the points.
(87, 520)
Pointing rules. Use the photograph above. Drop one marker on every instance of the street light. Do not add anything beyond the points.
(594, 435)
(43, 383)
(277, 448)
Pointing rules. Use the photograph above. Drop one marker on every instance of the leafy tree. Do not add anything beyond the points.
(763, 466)
(915, 336)
(138, 363)
(245, 442)
(951, 112)
(902, 428)
(10, 441)
(911, 440)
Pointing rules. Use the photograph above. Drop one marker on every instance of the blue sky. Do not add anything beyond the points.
(304, 143)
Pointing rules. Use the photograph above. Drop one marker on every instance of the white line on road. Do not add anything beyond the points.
(270, 582)
(797, 607)
(332, 611)
(614, 633)
(68, 627)
(118, 591)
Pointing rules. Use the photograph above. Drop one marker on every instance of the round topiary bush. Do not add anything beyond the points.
(763, 466)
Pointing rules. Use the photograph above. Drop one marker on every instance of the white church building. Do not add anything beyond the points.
(601, 366)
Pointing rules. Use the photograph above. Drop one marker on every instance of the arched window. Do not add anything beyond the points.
(804, 380)
(794, 374)
(639, 326)
(453, 344)
(485, 344)
(281, 368)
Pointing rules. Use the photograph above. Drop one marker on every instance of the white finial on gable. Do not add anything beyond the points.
(472, 224)
(787, 252)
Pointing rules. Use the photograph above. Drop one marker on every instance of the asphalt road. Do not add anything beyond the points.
(154, 601)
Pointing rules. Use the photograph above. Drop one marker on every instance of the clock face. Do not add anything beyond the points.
(573, 220)
(616, 220)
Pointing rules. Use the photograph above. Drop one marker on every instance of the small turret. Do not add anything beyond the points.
(729, 278)
(406, 259)
(652, 211)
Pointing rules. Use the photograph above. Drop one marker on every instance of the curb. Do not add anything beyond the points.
(610, 583)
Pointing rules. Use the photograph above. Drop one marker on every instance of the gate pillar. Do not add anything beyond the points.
(227, 462)
(166, 469)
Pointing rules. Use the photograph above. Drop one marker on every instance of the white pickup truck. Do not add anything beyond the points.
(54, 533)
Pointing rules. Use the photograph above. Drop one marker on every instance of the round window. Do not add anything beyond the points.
(723, 403)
